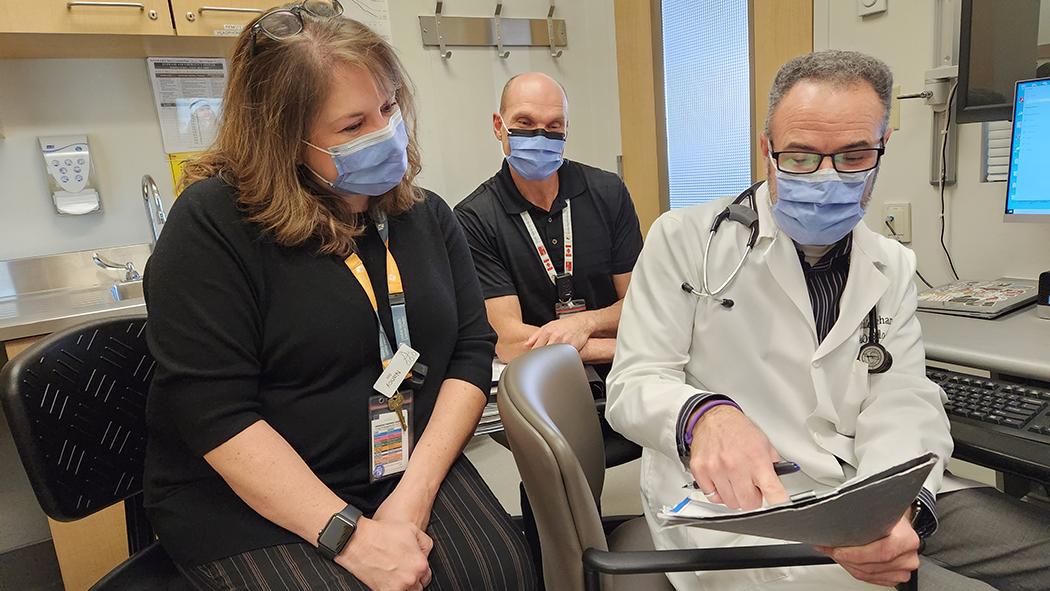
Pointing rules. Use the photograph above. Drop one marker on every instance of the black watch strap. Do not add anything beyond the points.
(336, 535)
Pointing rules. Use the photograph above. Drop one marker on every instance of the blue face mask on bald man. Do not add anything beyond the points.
(535, 153)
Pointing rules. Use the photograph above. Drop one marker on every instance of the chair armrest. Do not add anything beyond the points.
(672, 561)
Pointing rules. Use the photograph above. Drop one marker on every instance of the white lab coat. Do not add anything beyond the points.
(817, 404)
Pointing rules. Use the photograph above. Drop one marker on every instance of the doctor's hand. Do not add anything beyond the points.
(574, 330)
(732, 458)
(886, 561)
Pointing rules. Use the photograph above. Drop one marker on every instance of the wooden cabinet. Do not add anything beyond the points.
(145, 17)
(215, 18)
(87, 549)
(118, 29)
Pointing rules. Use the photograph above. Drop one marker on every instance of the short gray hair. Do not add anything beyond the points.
(841, 68)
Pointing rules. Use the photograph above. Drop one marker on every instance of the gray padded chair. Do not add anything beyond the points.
(548, 415)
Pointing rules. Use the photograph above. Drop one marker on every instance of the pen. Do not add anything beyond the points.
(781, 468)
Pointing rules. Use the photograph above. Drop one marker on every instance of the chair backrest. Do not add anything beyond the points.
(548, 414)
(76, 405)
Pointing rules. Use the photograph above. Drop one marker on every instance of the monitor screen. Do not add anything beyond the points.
(1028, 186)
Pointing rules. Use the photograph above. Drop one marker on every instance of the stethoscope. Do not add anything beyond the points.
(738, 212)
(872, 352)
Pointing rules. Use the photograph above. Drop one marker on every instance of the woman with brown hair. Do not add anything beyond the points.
(322, 350)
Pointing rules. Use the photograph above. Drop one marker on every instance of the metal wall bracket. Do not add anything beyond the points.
(502, 53)
(495, 31)
(940, 80)
(555, 53)
(439, 32)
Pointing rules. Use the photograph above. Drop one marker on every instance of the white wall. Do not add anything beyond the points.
(982, 245)
(111, 101)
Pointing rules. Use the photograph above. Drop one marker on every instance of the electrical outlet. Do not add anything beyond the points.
(897, 215)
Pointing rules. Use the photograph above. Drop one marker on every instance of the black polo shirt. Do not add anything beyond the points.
(605, 233)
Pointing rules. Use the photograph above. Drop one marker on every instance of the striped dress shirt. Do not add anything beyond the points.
(826, 280)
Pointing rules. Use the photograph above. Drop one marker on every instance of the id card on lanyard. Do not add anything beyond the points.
(565, 305)
(389, 412)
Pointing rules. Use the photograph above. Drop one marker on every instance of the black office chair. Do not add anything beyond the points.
(545, 405)
(76, 404)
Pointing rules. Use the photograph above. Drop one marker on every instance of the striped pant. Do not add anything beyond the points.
(476, 548)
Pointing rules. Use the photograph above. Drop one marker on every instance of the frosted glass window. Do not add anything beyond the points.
(707, 90)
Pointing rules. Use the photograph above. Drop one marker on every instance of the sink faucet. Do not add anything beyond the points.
(130, 274)
(154, 207)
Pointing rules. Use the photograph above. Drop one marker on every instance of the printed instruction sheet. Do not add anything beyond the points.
(188, 96)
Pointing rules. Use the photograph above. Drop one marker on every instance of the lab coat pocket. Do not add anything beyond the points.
(852, 399)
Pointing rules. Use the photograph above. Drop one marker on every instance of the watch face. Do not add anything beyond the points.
(336, 534)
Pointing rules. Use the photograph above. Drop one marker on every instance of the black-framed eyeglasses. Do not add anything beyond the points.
(282, 23)
(858, 160)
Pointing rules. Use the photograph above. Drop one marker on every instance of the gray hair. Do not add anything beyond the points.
(841, 68)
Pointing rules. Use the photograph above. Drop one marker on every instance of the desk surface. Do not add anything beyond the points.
(1017, 344)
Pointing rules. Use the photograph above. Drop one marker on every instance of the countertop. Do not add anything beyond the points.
(46, 312)
(1017, 343)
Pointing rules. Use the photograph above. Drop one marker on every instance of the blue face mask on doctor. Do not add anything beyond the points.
(371, 164)
(819, 208)
(535, 153)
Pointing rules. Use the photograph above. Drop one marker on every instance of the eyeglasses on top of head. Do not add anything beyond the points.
(282, 23)
(799, 162)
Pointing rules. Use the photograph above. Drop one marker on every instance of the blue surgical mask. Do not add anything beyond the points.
(535, 153)
(371, 164)
(820, 208)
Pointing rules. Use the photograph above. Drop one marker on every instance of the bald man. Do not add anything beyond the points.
(554, 241)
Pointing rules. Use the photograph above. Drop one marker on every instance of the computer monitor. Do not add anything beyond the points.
(1000, 42)
(1028, 186)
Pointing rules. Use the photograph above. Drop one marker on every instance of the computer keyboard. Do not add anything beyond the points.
(1014, 409)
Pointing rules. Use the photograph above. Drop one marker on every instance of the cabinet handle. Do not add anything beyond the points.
(204, 9)
(139, 5)
(142, 7)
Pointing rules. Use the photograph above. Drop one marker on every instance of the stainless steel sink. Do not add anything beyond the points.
(126, 290)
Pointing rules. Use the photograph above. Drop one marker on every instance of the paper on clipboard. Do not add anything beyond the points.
(188, 95)
(856, 513)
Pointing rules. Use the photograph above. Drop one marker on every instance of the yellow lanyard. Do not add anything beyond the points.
(395, 294)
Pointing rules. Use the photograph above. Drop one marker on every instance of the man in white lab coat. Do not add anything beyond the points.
(716, 387)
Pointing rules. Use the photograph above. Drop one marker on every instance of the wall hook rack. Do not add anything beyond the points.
(497, 31)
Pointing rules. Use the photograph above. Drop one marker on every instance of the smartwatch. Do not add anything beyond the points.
(336, 535)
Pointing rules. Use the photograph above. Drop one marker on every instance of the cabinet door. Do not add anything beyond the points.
(141, 17)
(216, 18)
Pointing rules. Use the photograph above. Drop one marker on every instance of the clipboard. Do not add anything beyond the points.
(853, 514)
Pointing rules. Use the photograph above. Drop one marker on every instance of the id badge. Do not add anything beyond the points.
(563, 309)
(391, 442)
